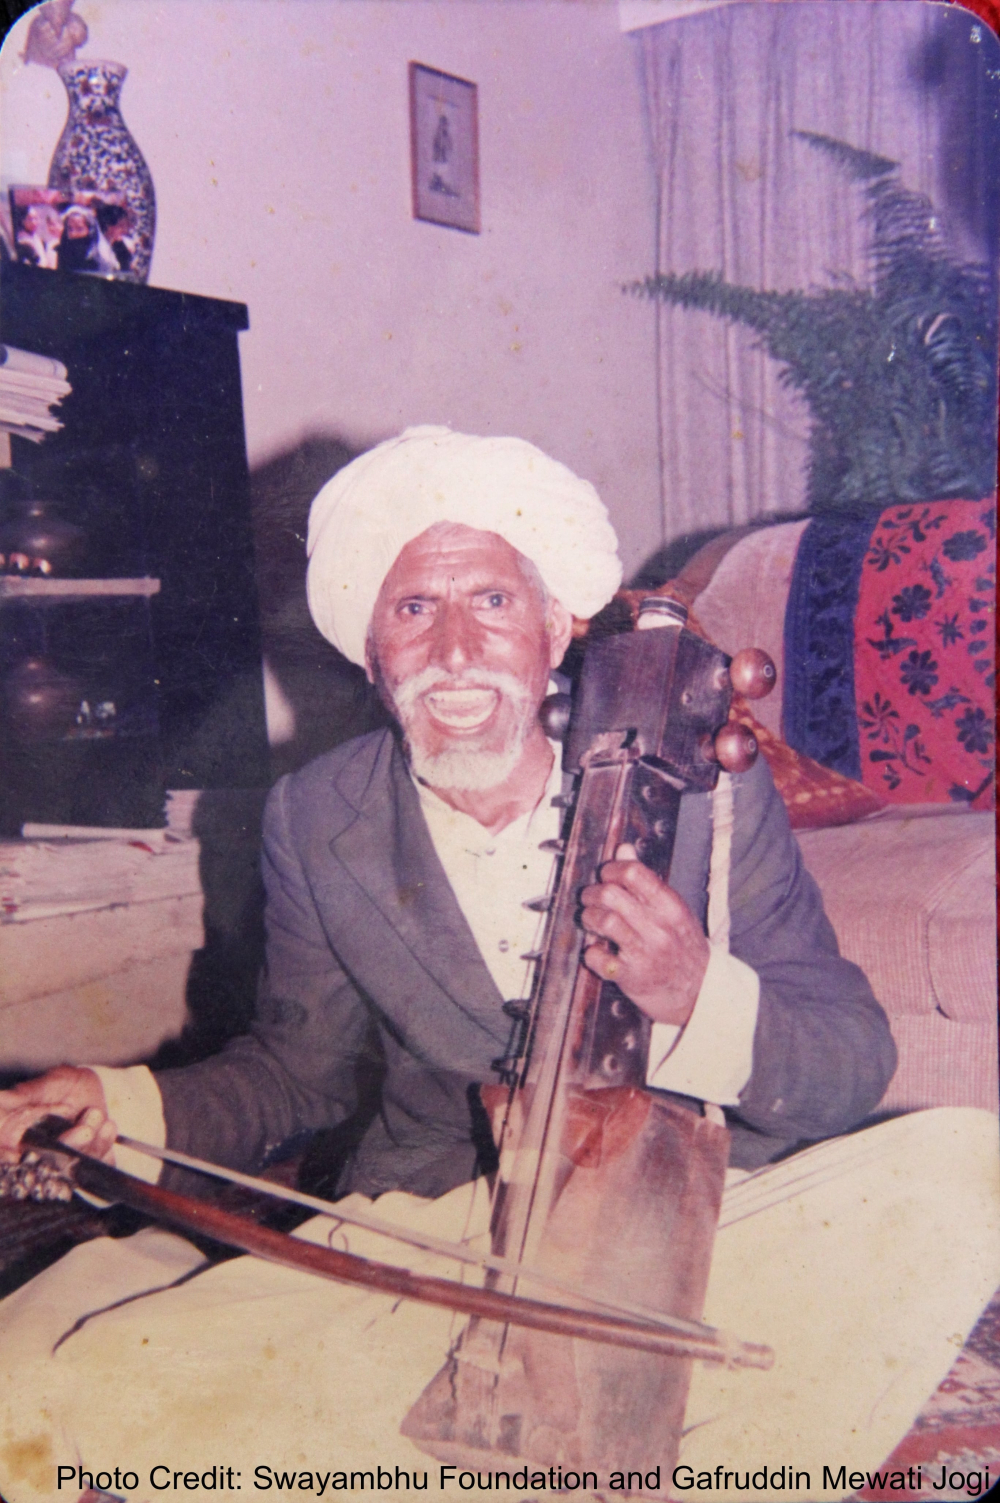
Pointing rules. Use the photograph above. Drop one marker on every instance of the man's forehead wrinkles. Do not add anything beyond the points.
(425, 588)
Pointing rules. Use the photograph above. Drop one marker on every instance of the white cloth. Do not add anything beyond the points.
(711, 1057)
(363, 518)
(863, 1262)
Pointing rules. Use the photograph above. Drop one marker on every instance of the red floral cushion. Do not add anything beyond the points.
(924, 634)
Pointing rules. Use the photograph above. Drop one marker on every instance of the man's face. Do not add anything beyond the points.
(461, 644)
(42, 219)
(77, 225)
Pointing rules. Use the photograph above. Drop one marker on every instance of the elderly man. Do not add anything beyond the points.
(397, 871)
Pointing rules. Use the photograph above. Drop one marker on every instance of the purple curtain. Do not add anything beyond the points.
(738, 194)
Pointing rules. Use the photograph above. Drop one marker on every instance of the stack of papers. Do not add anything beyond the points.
(41, 878)
(30, 386)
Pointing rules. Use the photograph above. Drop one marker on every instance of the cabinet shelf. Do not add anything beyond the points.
(152, 465)
(44, 591)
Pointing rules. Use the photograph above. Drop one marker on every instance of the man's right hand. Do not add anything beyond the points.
(69, 1092)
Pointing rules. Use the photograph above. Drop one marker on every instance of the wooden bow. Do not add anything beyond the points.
(102, 1180)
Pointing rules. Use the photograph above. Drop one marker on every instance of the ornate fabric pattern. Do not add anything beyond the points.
(818, 714)
(923, 653)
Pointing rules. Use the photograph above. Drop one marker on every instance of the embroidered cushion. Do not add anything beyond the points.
(889, 635)
(923, 654)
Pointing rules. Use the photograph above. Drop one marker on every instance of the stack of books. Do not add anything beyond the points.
(30, 386)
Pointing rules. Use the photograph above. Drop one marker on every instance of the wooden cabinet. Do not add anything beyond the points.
(152, 464)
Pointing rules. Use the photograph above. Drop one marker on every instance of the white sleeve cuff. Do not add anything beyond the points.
(135, 1106)
(711, 1057)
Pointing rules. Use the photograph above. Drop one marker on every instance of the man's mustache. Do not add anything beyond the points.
(427, 680)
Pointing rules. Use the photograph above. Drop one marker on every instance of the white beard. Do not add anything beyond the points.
(468, 768)
(465, 770)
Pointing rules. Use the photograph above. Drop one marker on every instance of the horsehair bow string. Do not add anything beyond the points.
(425, 1241)
(647, 1334)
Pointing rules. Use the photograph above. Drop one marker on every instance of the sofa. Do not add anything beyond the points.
(910, 886)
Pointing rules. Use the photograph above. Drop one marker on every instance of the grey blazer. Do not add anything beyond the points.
(369, 956)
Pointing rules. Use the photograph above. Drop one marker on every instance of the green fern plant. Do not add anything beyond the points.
(900, 377)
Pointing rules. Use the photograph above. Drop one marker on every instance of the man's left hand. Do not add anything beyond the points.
(644, 938)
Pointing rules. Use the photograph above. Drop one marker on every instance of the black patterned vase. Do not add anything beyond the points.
(96, 154)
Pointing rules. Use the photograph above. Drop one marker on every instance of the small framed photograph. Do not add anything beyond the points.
(63, 230)
(444, 148)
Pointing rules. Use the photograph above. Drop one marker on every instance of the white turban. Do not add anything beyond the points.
(363, 518)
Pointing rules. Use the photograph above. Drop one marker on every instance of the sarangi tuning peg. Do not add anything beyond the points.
(752, 673)
(554, 713)
(735, 747)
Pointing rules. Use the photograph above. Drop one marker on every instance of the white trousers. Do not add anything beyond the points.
(864, 1262)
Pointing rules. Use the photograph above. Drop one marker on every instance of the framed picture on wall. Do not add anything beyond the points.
(444, 149)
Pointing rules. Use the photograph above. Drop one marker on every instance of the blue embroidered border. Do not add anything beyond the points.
(819, 712)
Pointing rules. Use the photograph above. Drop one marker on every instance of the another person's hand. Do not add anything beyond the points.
(644, 938)
(69, 1092)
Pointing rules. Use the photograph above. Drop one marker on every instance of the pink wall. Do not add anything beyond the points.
(277, 134)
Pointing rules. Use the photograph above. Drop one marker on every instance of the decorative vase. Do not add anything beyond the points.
(37, 541)
(96, 154)
(39, 703)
